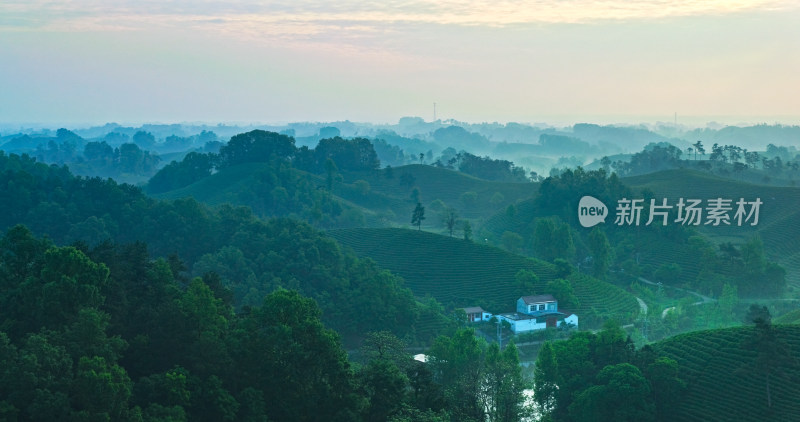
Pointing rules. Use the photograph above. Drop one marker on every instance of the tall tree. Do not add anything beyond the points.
(621, 394)
(552, 239)
(545, 375)
(256, 146)
(385, 345)
(562, 290)
(502, 386)
(525, 282)
(285, 351)
(511, 241)
(458, 365)
(602, 253)
(698, 147)
(349, 154)
(330, 173)
(418, 216)
(773, 356)
(385, 385)
(666, 387)
(450, 219)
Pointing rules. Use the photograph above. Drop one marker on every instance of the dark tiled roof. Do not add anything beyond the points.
(474, 310)
(538, 299)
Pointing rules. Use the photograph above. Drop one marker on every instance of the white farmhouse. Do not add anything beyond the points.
(531, 304)
(537, 313)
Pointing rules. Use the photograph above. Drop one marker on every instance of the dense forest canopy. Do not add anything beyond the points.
(254, 257)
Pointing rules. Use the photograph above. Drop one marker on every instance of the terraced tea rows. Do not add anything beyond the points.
(460, 273)
(722, 384)
(221, 187)
(448, 186)
(779, 220)
(792, 317)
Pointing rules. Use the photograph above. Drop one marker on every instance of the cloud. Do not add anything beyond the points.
(304, 16)
(501, 58)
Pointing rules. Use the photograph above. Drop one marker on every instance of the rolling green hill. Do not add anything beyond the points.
(384, 202)
(443, 184)
(778, 226)
(221, 187)
(463, 273)
(792, 317)
(720, 388)
(779, 221)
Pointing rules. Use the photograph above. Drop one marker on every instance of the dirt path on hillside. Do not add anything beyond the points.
(703, 298)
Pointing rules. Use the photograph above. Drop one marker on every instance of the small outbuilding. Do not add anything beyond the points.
(476, 314)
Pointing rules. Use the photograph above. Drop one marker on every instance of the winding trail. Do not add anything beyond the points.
(703, 298)
(642, 305)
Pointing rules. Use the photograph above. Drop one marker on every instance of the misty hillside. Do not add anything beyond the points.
(779, 219)
(461, 273)
(539, 148)
(382, 197)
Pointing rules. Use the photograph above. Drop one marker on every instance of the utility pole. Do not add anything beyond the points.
(499, 338)
(645, 328)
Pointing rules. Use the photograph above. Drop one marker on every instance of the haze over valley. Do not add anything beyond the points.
(407, 211)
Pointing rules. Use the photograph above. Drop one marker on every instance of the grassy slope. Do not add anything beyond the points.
(221, 187)
(779, 222)
(719, 386)
(388, 202)
(444, 184)
(464, 273)
(792, 317)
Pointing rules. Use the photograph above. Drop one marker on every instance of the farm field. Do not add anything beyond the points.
(720, 385)
(460, 273)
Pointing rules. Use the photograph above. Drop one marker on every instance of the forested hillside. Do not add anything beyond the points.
(338, 183)
(252, 256)
(202, 305)
(779, 218)
(697, 257)
(108, 333)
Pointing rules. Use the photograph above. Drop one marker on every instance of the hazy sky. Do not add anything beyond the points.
(93, 61)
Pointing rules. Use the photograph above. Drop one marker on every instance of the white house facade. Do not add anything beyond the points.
(536, 312)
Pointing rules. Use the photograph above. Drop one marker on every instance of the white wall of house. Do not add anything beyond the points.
(523, 325)
(572, 319)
